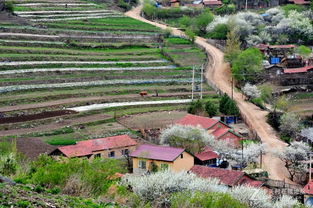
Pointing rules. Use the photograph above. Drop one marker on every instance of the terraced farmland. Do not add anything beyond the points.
(78, 53)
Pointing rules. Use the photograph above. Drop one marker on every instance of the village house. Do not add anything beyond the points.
(308, 194)
(207, 157)
(216, 128)
(226, 177)
(109, 147)
(150, 158)
(257, 4)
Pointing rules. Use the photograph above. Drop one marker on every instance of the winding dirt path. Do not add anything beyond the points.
(218, 73)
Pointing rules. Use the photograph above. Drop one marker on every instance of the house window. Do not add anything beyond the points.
(164, 166)
(97, 155)
(182, 156)
(111, 154)
(142, 164)
(125, 152)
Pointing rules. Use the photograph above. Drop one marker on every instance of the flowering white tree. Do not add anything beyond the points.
(294, 156)
(289, 124)
(307, 133)
(249, 154)
(194, 139)
(273, 27)
(251, 91)
(159, 186)
(286, 202)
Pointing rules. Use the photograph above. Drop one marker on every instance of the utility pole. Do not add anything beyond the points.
(193, 81)
(246, 4)
(232, 87)
(310, 167)
(201, 81)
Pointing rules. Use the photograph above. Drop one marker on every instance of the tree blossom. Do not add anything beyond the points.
(308, 133)
(251, 91)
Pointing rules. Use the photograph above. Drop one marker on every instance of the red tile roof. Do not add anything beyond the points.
(207, 154)
(300, 2)
(212, 2)
(193, 120)
(226, 177)
(87, 147)
(157, 152)
(308, 188)
(219, 132)
(281, 46)
(298, 70)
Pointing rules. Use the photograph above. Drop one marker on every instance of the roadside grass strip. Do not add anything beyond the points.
(91, 83)
(18, 63)
(85, 69)
(20, 13)
(123, 104)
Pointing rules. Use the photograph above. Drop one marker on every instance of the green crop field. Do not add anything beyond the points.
(79, 53)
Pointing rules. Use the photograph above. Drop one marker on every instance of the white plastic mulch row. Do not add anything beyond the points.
(111, 105)
(32, 41)
(18, 63)
(76, 18)
(61, 12)
(55, 4)
(68, 15)
(86, 69)
(28, 35)
(90, 83)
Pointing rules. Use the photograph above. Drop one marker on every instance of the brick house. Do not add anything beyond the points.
(227, 177)
(148, 158)
(109, 147)
(218, 129)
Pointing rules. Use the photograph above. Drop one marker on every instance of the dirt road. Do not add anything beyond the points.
(218, 73)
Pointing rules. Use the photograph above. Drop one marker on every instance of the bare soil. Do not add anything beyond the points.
(153, 120)
(55, 125)
(43, 115)
(8, 18)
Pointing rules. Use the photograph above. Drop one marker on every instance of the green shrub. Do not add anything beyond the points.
(195, 107)
(204, 199)
(258, 102)
(220, 32)
(273, 119)
(90, 176)
(228, 106)
(39, 189)
(8, 6)
(23, 204)
(55, 190)
(191, 35)
(289, 7)
(225, 9)
(211, 108)
(61, 141)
